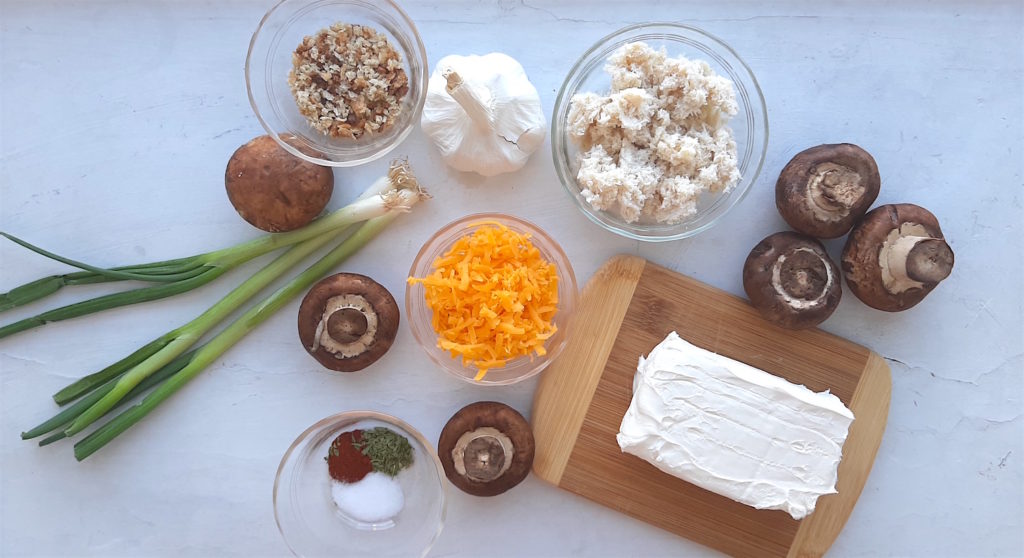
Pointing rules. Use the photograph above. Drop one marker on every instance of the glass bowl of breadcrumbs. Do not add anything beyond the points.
(346, 78)
(658, 131)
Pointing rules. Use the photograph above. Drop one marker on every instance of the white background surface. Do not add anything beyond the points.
(118, 119)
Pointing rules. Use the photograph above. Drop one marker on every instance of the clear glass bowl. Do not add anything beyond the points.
(313, 526)
(750, 125)
(270, 60)
(419, 315)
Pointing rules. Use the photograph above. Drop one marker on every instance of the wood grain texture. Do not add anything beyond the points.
(870, 406)
(562, 401)
(582, 456)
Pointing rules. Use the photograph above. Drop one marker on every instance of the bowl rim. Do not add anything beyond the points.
(565, 271)
(357, 415)
(417, 108)
(559, 141)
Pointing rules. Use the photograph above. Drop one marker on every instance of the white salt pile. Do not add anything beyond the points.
(375, 498)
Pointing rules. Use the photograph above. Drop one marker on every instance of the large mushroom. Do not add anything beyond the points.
(895, 256)
(824, 190)
(347, 321)
(274, 190)
(791, 281)
(486, 448)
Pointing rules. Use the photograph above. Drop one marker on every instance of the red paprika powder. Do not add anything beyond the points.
(345, 463)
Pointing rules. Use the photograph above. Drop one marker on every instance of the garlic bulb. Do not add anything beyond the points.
(483, 113)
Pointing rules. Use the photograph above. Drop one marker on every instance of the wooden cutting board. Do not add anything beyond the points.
(627, 308)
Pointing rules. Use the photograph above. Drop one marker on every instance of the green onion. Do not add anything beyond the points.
(165, 365)
(56, 436)
(227, 338)
(64, 418)
(41, 288)
(179, 340)
(116, 370)
(184, 274)
(110, 301)
(122, 273)
(397, 177)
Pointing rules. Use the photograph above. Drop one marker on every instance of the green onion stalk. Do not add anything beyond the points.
(63, 419)
(231, 335)
(179, 275)
(162, 350)
(162, 360)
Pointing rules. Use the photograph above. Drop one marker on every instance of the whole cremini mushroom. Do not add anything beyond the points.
(274, 190)
(824, 190)
(895, 256)
(486, 448)
(791, 280)
(348, 321)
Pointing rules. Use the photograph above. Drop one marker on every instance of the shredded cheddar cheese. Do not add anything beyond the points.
(493, 298)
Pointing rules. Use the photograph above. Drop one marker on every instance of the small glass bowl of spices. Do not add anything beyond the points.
(360, 483)
(489, 298)
(347, 78)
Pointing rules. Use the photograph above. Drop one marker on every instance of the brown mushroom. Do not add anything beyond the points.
(791, 280)
(824, 190)
(274, 190)
(486, 448)
(348, 321)
(895, 256)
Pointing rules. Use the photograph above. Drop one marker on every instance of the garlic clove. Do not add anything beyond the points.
(515, 119)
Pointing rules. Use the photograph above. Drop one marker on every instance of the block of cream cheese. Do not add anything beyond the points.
(733, 429)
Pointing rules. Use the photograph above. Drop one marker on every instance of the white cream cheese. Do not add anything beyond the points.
(733, 429)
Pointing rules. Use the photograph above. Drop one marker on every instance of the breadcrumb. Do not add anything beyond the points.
(658, 140)
(348, 80)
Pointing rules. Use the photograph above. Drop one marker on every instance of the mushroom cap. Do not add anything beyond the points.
(274, 190)
(861, 263)
(824, 190)
(486, 414)
(791, 281)
(315, 304)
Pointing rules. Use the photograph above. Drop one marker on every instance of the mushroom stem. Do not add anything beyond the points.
(895, 256)
(802, 278)
(483, 454)
(348, 326)
(470, 101)
(913, 261)
(834, 190)
(930, 261)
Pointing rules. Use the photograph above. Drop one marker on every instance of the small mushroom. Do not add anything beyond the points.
(791, 280)
(895, 256)
(486, 448)
(274, 190)
(348, 321)
(824, 190)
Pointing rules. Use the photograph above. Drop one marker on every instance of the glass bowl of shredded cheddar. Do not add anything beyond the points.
(489, 297)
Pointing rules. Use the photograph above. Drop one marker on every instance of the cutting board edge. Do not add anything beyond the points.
(869, 399)
(870, 406)
(556, 427)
